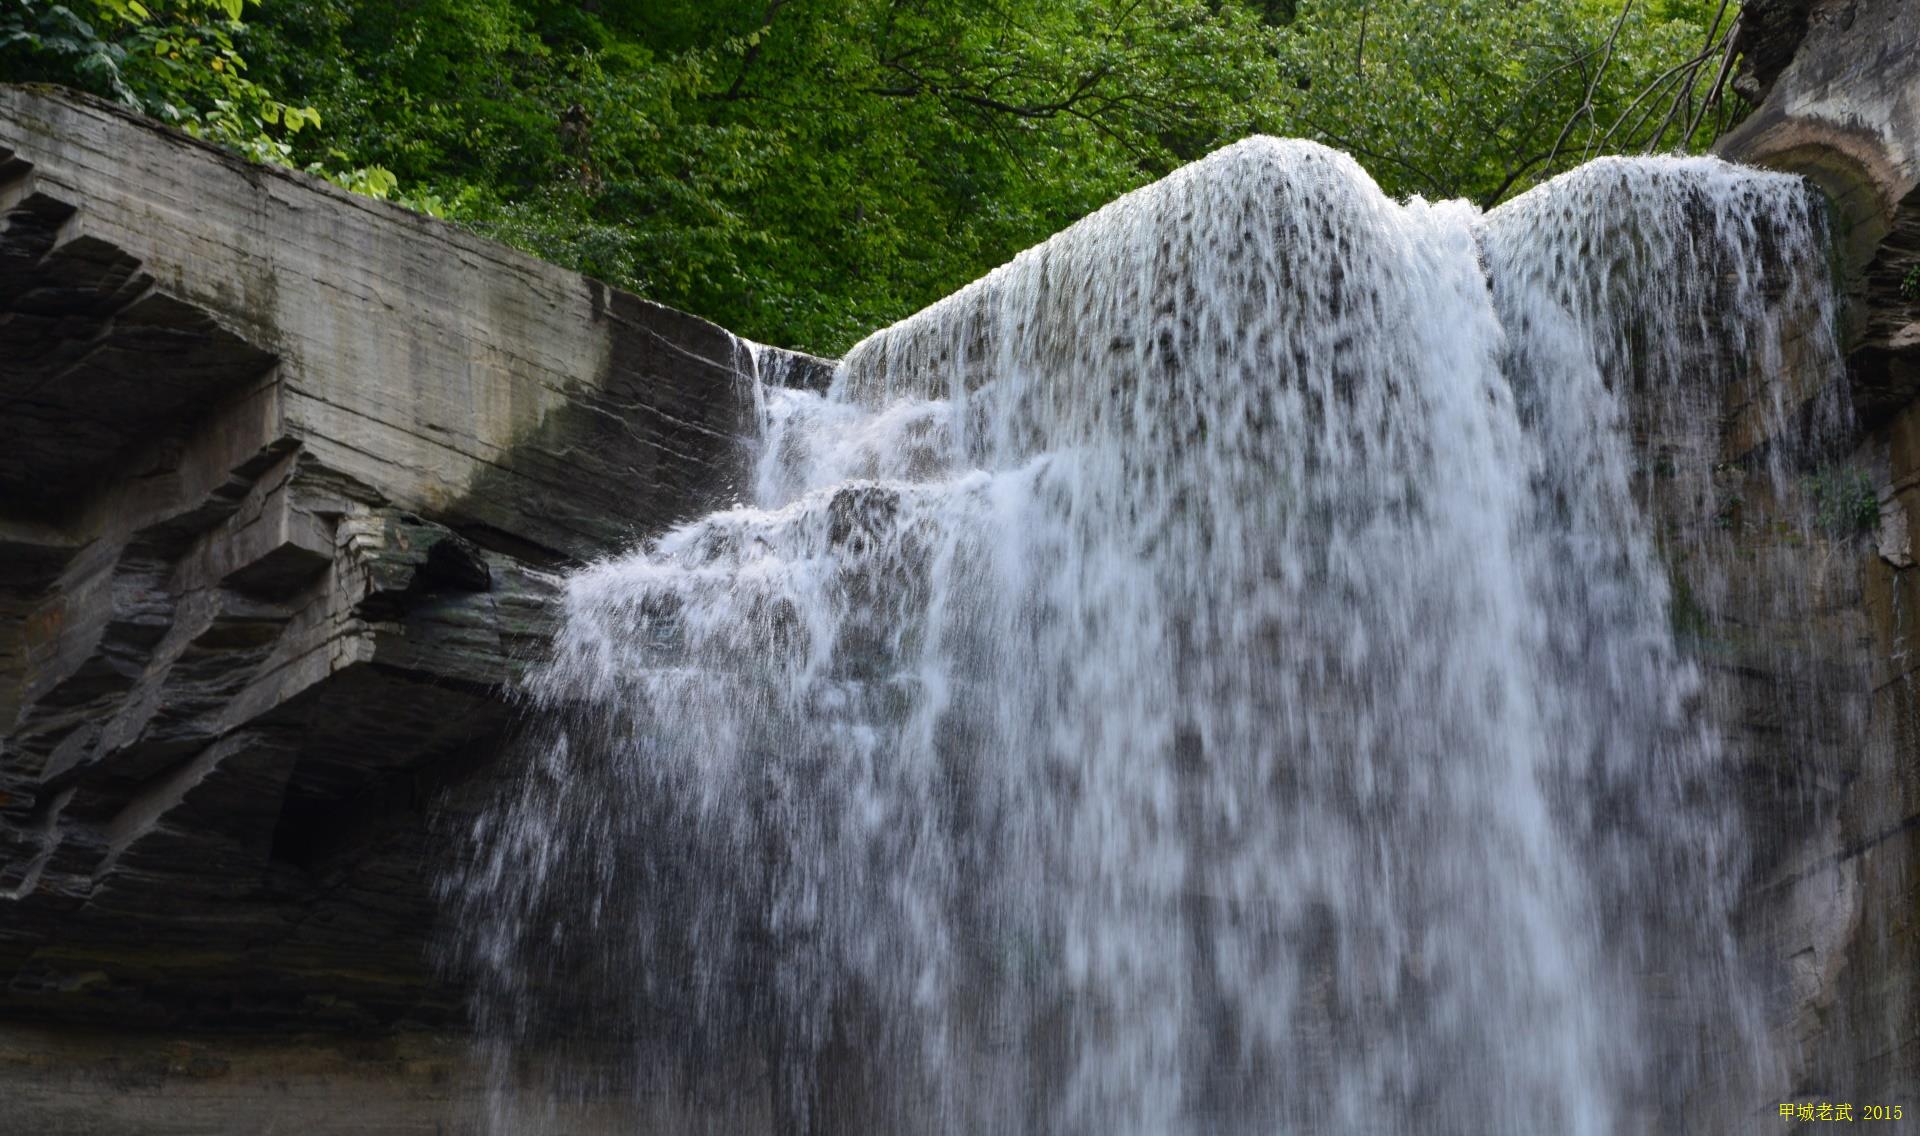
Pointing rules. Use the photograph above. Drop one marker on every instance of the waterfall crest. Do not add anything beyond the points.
(1215, 673)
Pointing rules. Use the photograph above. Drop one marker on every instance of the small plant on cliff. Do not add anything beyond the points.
(1844, 501)
(1910, 284)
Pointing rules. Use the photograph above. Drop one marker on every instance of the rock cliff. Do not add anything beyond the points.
(285, 476)
(1838, 908)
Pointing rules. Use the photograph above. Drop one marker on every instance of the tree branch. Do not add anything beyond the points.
(753, 50)
(1593, 84)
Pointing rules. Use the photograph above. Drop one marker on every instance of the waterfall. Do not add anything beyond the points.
(1216, 673)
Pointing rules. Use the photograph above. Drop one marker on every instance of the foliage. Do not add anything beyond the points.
(798, 170)
(1482, 98)
(804, 171)
(1844, 501)
(173, 59)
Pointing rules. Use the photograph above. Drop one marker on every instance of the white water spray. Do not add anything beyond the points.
(1213, 674)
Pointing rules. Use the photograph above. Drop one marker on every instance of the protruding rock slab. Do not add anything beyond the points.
(285, 477)
(1838, 86)
(1839, 103)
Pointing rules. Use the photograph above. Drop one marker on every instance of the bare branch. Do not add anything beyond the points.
(1659, 82)
(1360, 48)
(1685, 98)
(1593, 83)
(1719, 80)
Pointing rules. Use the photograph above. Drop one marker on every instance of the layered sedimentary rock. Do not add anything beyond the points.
(1833, 80)
(1839, 906)
(285, 474)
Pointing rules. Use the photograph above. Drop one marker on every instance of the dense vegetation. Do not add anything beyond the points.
(806, 170)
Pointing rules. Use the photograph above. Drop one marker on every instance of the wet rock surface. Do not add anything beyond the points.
(286, 480)
(1836, 906)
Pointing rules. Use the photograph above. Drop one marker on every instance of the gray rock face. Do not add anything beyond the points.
(1838, 909)
(1834, 80)
(285, 477)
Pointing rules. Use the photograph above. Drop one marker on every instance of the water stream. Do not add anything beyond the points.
(1216, 673)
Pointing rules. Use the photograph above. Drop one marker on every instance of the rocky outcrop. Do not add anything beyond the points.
(285, 478)
(1838, 909)
(1837, 102)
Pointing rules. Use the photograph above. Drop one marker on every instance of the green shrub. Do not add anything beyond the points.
(1844, 501)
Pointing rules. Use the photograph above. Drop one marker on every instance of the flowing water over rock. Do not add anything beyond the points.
(1217, 673)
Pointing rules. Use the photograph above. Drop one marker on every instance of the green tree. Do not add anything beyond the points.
(175, 60)
(802, 171)
(806, 170)
(1482, 98)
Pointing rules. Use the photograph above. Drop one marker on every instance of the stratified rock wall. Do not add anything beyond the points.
(285, 476)
(1841, 87)
(1838, 911)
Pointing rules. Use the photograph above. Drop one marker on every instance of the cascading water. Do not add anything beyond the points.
(1213, 674)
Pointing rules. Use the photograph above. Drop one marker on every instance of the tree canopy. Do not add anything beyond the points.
(804, 171)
